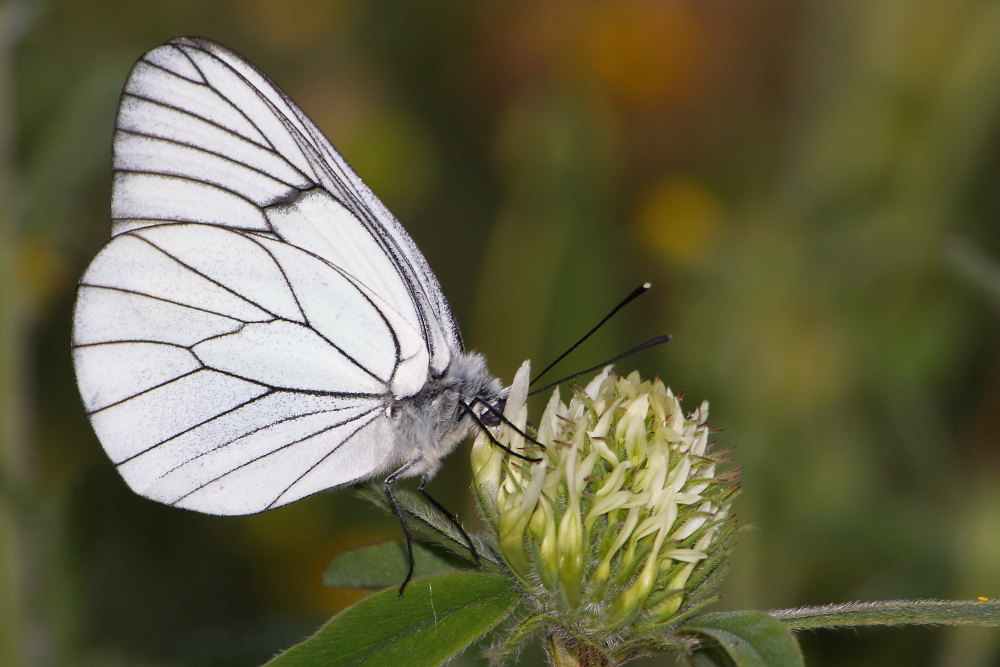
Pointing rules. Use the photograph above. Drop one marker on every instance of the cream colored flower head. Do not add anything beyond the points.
(624, 520)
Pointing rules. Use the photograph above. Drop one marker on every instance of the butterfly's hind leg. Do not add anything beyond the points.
(452, 518)
(391, 495)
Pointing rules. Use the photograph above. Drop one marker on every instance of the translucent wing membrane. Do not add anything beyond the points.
(208, 382)
(202, 136)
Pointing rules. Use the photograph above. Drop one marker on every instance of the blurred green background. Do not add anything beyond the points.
(811, 186)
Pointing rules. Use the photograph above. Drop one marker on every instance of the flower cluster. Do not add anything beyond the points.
(623, 523)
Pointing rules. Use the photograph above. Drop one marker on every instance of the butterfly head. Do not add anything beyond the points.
(435, 419)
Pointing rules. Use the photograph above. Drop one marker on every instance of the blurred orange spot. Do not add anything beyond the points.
(982, 599)
(679, 219)
(647, 53)
(296, 22)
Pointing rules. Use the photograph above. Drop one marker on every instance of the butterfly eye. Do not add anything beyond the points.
(492, 417)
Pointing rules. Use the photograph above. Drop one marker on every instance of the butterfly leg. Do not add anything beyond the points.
(452, 518)
(391, 495)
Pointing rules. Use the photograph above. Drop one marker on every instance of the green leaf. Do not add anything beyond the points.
(706, 658)
(384, 564)
(431, 523)
(749, 638)
(435, 619)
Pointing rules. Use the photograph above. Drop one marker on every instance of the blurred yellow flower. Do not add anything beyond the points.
(678, 219)
(40, 270)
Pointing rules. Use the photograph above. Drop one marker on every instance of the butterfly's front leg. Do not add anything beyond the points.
(391, 495)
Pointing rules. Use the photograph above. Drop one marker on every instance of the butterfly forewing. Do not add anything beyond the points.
(213, 128)
(238, 341)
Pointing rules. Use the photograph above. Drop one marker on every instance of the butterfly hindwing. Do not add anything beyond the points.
(208, 382)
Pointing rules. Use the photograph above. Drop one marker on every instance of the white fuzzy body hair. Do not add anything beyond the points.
(429, 424)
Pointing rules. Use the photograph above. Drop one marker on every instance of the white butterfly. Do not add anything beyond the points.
(260, 327)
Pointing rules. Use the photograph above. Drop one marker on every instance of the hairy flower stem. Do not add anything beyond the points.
(564, 652)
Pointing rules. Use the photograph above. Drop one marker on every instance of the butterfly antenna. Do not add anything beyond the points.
(638, 348)
(634, 294)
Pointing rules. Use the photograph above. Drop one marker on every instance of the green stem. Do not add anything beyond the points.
(560, 655)
(892, 612)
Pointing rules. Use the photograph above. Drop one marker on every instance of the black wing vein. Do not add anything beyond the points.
(203, 275)
(284, 447)
(264, 427)
(350, 279)
(137, 394)
(190, 179)
(222, 156)
(189, 112)
(146, 295)
(324, 457)
(313, 149)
